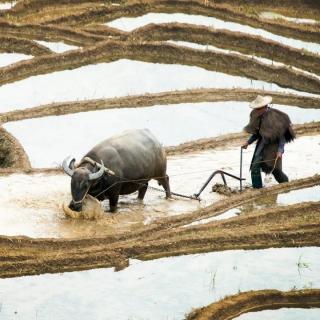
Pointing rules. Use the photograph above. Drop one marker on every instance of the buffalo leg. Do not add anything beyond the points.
(164, 182)
(142, 191)
(113, 201)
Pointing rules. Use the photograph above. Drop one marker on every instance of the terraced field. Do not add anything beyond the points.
(73, 73)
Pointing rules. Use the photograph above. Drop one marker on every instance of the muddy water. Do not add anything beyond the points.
(38, 213)
(115, 79)
(32, 204)
(171, 124)
(311, 194)
(57, 47)
(9, 58)
(129, 24)
(282, 314)
(154, 289)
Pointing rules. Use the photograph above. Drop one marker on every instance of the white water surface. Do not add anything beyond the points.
(273, 16)
(10, 58)
(49, 140)
(166, 288)
(129, 24)
(253, 58)
(282, 314)
(115, 79)
(7, 5)
(300, 195)
(57, 47)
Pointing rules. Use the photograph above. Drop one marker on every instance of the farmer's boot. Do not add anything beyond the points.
(280, 176)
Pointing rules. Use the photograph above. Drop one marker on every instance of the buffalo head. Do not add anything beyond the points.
(81, 181)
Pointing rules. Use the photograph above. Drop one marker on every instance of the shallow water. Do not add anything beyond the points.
(154, 289)
(7, 5)
(9, 58)
(273, 16)
(311, 194)
(57, 47)
(76, 134)
(234, 212)
(282, 314)
(129, 24)
(119, 78)
(254, 58)
(31, 205)
(300, 195)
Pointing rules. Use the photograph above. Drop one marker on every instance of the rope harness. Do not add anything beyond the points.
(136, 181)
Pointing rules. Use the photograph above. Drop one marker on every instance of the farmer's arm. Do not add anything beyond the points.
(282, 142)
(252, 139)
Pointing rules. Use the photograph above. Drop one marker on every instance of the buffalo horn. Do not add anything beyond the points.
(98, 174)
(68, 169)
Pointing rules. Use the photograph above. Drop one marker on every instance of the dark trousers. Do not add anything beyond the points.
(256, 179)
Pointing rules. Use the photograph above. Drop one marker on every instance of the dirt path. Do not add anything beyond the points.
(253, 301)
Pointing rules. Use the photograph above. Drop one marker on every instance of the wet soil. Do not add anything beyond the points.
(18, 45)
(290, 226)
(233, 306)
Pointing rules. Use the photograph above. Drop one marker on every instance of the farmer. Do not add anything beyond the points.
(271, 129)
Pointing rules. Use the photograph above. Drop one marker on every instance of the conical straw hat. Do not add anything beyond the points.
(260, 102)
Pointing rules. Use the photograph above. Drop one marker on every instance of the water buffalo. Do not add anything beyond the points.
(128, 161)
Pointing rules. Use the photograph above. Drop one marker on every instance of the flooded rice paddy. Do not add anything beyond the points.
(115, 79)
(57, 47)
(7, 5)
(311, 194)
(166, 288)
(216, 49)
(76, 134)
(129, 24)
(154, 289)
(9, 58)
(38, 212)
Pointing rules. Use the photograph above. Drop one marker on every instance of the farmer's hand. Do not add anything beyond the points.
(245, 146)
(279, 155)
